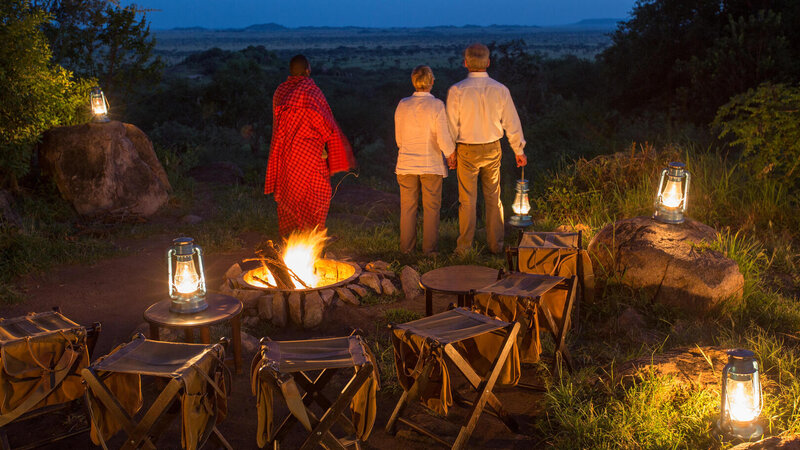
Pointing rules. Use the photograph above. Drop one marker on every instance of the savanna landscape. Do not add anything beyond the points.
(605, 105)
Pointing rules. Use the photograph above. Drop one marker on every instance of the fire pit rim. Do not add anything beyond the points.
(356, 273)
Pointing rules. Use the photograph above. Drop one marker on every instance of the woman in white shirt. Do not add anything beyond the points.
(423, 139)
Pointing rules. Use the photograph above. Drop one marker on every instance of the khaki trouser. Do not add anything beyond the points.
(479, 160)
(410, 186)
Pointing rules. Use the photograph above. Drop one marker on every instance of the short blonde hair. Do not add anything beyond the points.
(422, 78)
(476, 56)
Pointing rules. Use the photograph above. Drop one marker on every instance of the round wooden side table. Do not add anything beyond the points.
(221, 308)
(456, 280)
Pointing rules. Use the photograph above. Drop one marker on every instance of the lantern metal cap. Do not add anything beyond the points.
(183, 241)
(676, 165)
(740, 353)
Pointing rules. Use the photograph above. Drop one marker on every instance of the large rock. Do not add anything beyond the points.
(371, 280)
(314, 309)
(347, 296)
(665, 261)
(295, 302)
(388, 287)
(265, 304)
(789, 442)
(409, 279)
(279, 310)
(105, 168)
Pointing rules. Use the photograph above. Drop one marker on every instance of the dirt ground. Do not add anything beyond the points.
(116, 292)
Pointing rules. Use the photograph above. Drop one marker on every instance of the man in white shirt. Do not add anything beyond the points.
(422, 135)
(480, 109)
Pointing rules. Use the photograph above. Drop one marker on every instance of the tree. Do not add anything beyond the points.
(36, 94)
(99, 38)
(691, 56)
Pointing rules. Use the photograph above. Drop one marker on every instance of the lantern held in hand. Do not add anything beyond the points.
(521, 205)
(672, 195)
(99, 105)
(187, 283)
(741, 396)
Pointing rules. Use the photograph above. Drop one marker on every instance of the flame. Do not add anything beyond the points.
(186, 279)
(521, 204)
(672, 196)
(742, 405)
(301, 251)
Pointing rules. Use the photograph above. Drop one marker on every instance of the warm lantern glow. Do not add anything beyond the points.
(521, 204)
(186, 279)
(743, 405)
(672, 195)
(99, 105)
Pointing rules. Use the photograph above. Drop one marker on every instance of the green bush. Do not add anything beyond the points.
(764, 123)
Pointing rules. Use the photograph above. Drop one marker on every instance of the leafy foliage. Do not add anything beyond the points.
(36, 93)
(764, 122)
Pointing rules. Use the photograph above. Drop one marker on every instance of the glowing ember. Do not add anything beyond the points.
(301, 251)
(672, 195)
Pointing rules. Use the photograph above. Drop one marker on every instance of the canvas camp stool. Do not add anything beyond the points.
(519, 296)
(195, 373)
(284, 366)
(557, 254)
(440, 334)
(41, 355)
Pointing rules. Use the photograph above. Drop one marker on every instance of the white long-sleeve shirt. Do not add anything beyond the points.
(423, 135)
(480, 108)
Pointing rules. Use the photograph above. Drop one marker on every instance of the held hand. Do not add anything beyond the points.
(452, 161)
(522, 160)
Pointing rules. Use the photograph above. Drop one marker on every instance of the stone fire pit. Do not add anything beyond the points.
(305, 307)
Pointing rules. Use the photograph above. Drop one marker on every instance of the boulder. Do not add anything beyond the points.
(248, 297)
(279, 313)
(346, 295)
(668, 262)
(295, 304)
(371, 280)
(105, 168)
(688, 367)
(313, 310)
(233, 271)
(788, 442)
(388, 287)
(225, 288)
(409, 280)
(327, 296)
(379, 267)
(358, 289)
(250, 344)
(220, 172)
(265, 303)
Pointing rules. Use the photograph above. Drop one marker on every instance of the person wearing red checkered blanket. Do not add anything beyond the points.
(299, 166)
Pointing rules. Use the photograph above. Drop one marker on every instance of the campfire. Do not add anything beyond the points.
(299, 266)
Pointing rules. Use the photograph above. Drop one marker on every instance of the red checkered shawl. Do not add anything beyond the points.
(297, 173)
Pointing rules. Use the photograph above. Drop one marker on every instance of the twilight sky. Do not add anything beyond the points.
(377, 13)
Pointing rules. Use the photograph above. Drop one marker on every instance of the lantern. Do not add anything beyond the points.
(99, 105)
(521, 205)
(187, 284)
(741, 396)
(672, 195)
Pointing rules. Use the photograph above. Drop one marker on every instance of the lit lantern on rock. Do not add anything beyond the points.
(521, 205)
(672, 195)
(741, 396)
(187, 284)
(99, 105)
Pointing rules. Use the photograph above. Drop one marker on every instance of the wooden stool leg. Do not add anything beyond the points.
(236, 325)
(205, 335)
(428, 302)
(154, 332)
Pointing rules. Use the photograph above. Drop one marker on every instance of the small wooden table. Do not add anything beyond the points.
(455, 280)
(221, 308)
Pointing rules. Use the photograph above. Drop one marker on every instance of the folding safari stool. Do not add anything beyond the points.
(557, 254)
(520, 297)
(283, 366)
(195, 372)
(483, 349)
(41, 356)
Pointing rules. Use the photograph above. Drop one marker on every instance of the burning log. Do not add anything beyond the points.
(273, 262)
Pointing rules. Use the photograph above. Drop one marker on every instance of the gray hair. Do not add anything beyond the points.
(422, 78)
(476, 56)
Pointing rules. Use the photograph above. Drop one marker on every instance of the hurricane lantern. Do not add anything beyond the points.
(673, 193)
(99, 105)
(741, 396)
(521, 205)
(187, 282)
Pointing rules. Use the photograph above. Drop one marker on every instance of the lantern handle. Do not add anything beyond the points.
(686, 190)
(202, 269)
(660, 186)
(723, 420)
(170, 282)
